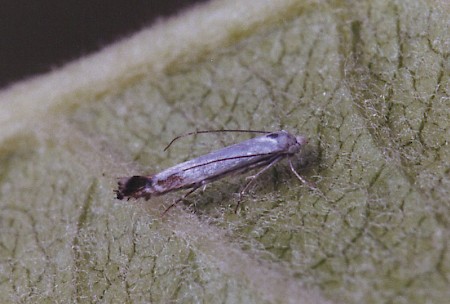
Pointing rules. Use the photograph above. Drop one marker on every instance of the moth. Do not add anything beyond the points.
(259, 152)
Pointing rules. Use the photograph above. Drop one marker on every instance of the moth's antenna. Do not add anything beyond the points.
(213, 131)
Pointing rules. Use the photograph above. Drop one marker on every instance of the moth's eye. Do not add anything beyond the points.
(273, 135)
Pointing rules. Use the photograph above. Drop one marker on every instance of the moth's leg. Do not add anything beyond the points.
(304, 181)
(252, 178)
(181, 198)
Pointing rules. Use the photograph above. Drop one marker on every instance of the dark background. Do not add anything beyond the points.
(39, 35)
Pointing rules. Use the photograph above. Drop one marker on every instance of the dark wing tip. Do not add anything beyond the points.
(134, 186)
(119, 194)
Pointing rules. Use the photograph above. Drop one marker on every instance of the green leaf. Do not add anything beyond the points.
(366, 81)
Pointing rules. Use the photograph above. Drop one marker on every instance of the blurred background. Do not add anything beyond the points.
(37, 36)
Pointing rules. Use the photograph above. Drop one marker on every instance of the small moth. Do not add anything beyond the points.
(259, 152)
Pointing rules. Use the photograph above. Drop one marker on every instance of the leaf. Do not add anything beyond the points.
(367, 82)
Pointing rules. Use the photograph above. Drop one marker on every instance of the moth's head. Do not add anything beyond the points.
(134, 187)
(301, 140)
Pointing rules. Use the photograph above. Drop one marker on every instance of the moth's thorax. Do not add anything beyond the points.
(289, 143)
